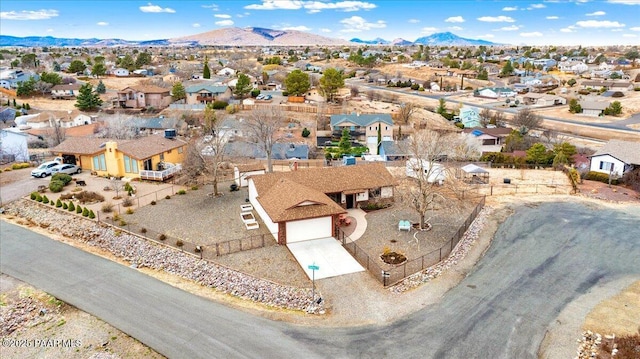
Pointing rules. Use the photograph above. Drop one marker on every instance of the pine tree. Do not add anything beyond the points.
(206, 72)
(101, 88)
(178, 92)
(88, 100)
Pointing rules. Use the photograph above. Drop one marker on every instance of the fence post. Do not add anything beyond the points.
(217, 249)
(491, 194)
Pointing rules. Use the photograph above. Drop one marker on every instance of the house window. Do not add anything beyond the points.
(180, 149)
(607, 166)
(130, 165)
(99, 163)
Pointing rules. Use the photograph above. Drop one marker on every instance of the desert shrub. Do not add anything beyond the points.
(162, 237)
(600, 177)
(122, 223)
(153, 203)
(8, 169)
(583, 92)
(65, 205)
(143, 230)
(89, 197)
(127, 202)
(219, 105)
(72, 207)
(33, 195)
(66, 196)
(18, 166)
(79, 209)
(56, 186)
(632, 179)
(636, 89)
(179, 243)
(305, 132)
(91, 214)
(58, 203)
(194, 188)
(255, 92)
(617, 94)
(459, 124)
(231, 109)
(167, 197)
(116, 217)
(107, 207)
(45, 200)
(285, 93)
(129, 211)
(62, 177)
(39, 197)
(181, 192)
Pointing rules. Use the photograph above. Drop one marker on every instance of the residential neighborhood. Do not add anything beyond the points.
(339, 186)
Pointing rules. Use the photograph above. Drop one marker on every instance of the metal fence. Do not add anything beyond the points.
(399, 272)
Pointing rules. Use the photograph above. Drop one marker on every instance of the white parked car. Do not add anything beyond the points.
(66, 168)
(45, 169)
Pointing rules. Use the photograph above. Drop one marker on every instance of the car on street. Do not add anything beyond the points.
(45, 169)
(66, 168)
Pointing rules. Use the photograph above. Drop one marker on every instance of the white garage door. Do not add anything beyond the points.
(307, 229)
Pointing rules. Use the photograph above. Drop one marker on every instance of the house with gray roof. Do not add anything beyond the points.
(203, 94)
(616, 158)
(593, 108)
(364, 128)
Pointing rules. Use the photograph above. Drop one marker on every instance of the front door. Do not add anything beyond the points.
(350, 200)
(147, 165)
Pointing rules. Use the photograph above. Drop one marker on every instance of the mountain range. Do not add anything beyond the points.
(234, 36)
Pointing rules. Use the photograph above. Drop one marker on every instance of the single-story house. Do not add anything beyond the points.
(65, 91)
(123, 158)
(495, 92)
(364, 127)
(593, 108)
(491, 139)
(10, 78)
(616, 157)
(7, 114)
(143, 96)
(120, 72)
(305, 204)
(541, 99)
(13, 145)
(242, 172)
(203, 94)
(392, 151)
(285, 151)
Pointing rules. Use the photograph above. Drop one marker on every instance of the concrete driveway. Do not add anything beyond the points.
(327, 254)
(543, 258)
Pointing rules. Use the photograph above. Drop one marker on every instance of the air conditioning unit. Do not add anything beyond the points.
(170, 133)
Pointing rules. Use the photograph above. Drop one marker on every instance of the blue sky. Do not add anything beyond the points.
(561, 22)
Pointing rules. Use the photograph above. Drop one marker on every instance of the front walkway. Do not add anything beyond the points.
(327, 254)
(361, 222)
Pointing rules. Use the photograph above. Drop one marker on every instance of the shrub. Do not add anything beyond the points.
(617, 94)
(181, 192)
(459, 124)
(129, 211)
(305, 132)
(285, 93)
(18, 166)
(600, 177)
(116, 217)
(65, 205)
(91, 214)
(8, 169)
(167, 197)
(220, 105)
(107, 207)
(89, 197)
(128, 188)
(143, 230)
(583, 92)
(636, 89)
(194, 188)
(79, 209)
(56, 186)
(34, 195)
(231, 109)
(58, 203)
(39, 197)
(72, 207)
(62, 177)
(255, 92)
(122, 223)
(45, 200)
(127, 202)
(153, 203)
(632, 179)
(179, 243)
(162, 237)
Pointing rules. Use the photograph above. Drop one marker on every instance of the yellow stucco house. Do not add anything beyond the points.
(153, 157)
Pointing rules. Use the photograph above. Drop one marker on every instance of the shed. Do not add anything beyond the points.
(473, 174)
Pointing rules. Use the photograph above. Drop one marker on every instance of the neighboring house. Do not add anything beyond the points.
(171, 78)
(616, 158)
(13, 145)
(226, 71)
(49, 119)
(470, 117)
(593, 108)
(10, 78)
(364, 128)
(143, 97)
(490, 139)
(120, 72)
(576, 67)
(314, 95)
(7, 114)
(305, 204)
(285, 151)
(608, 85)
(242, 172)
(392, 151)
(495, 92)
(541, 99)
(203, 94)
(145, 157)
(153, 125)
(69, 91)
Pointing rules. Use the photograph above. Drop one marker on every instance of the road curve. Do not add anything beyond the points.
(542, 258)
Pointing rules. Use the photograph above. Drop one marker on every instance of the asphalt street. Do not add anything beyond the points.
(542, 258)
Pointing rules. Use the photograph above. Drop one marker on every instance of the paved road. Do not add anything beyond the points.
(542, 258)
(12, 191)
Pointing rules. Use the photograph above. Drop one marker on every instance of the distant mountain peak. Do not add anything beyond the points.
(448, 38)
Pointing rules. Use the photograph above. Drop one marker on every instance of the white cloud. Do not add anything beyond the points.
(213, 7)
(102, 23)
(325, 30)
(49, 30)
(314, 11)
(635, 28)
(312, 6)
(510, 8)
(553, 17)
(454, 19)
(455, 28)
(568, 29)
(358, 24)
(429, 30)
(243, 15)
(625, 2)
(508, 28)
(531, 34)
(629, 35)
(195, 24)
(500, 18)
(486, 36)
(413, 21)
(617, 30)
(28, 15)
(596, 13)
(599, 24)
(297, 28)
(222, 16)
(155, 8)
(536, 6)
(224, 22)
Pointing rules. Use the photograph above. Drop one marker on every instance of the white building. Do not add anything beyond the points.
(616, 158)
(13, 144)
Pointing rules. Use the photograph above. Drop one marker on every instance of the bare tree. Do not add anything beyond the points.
(263, 125)
(119, 127)
(498, 118)
(55, 134)
(430, 180)
(485, 117)
(355, 91)
(526, 120)
(406, 111)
